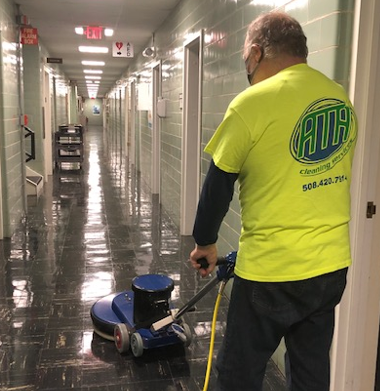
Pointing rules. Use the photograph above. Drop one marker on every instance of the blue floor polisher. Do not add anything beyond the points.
(143, 318)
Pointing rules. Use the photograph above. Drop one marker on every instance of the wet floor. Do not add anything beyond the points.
(94, 229)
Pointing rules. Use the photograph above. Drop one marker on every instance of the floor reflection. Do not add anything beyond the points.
(91, 232)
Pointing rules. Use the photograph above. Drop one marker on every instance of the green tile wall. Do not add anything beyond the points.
(33, 93)
(11, 136)
(327, 24)
(11, 150)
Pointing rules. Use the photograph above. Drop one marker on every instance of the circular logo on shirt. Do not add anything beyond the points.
(323, 135)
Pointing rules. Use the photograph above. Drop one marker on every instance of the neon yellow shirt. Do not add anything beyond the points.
(291, 138)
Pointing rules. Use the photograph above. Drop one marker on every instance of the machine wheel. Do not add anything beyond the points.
(188, 334)
(121, 336)
(137, 345)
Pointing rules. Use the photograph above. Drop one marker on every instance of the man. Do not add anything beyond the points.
(289, 141)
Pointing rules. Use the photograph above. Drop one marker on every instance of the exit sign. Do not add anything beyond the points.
(93, 32)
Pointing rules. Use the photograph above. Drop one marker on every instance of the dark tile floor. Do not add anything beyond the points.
(92, 230)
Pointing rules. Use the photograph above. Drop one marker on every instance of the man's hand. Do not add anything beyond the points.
(209, 252)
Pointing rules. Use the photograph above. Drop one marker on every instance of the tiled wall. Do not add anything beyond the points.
(32, 94)
(59, 101)
(328, 26)
(17, 99)
(11, 151)
(33, 76)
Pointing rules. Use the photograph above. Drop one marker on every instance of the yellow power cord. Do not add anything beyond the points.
(213, 327)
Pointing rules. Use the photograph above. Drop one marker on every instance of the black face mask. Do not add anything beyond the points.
(249, 77)
(251, 74)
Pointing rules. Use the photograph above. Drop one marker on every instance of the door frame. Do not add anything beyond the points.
(192, 124)
(354, 350)
(126, 122)
(46, 123)
(133, 124)
(156, 129)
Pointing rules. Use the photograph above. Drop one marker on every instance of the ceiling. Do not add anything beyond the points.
(133, 21)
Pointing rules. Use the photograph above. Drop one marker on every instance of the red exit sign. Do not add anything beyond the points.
(93, 32)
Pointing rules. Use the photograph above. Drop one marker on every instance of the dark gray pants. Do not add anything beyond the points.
(261, 313)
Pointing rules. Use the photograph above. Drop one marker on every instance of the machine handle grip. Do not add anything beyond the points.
(204, 263)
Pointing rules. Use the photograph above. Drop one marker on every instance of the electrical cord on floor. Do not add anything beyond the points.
(212, 340)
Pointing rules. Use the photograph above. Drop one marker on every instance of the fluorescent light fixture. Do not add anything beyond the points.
(93, 49)
(93, 77)
(79, 30)
(108, 32)
(93, 71)
(93, 63)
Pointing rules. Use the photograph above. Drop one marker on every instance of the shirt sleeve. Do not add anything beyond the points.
(216, 195)
(231, 143)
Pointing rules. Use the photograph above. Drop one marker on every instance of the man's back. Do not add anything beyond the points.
(291, 140)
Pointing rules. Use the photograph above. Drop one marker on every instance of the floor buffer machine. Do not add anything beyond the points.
(143, 318)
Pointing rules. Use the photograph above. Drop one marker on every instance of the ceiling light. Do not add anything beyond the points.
(94, 63)
(93, 77)
(108, 32)
(93, 71)
(79, 30)
(93, 49)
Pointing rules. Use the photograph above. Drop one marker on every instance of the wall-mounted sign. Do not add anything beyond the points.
(29, 36)
(122, 49)
(93, 32)
(54, 60)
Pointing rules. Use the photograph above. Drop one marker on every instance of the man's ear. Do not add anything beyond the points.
(257, 52)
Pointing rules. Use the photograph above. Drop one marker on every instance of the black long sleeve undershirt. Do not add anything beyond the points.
(216, 195)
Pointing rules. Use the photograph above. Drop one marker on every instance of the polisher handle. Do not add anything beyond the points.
(204, 263)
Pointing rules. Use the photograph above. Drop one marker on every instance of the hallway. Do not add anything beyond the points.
(93, 230)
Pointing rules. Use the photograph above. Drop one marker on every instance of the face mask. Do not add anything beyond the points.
(251, 74)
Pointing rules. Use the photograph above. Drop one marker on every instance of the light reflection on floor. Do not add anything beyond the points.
(92, 231)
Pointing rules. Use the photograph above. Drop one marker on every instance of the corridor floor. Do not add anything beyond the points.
(89, 234)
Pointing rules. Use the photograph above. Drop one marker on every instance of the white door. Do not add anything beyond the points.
(156, 131)
(126, 122)
(132, 156)
(47, 131)
(356, 335)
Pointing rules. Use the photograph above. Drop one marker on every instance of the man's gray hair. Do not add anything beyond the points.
(277, 33)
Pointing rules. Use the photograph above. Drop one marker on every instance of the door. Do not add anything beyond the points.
(356, 336)
(132, 150)
(156, 131)
(126, 123)
(47, 131)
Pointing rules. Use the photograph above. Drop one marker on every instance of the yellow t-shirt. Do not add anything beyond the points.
(291, 138)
